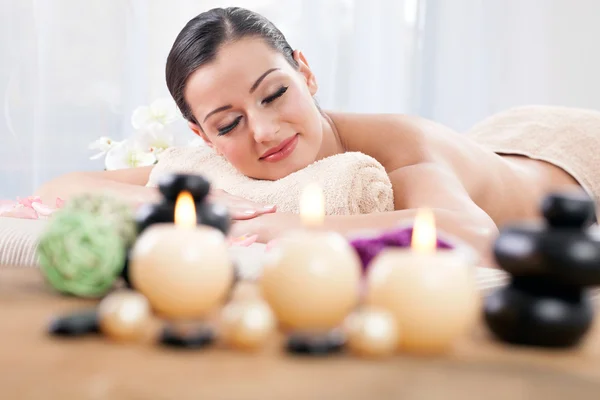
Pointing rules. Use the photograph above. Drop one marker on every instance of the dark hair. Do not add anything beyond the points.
(200, 39)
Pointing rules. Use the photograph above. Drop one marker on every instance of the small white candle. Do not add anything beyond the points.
(311, 278)
(183, 269)
(431, 293)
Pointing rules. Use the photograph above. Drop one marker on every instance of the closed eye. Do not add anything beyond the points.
(275, 95)
(226, 129)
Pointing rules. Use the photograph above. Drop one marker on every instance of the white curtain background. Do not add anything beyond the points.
(72, 71)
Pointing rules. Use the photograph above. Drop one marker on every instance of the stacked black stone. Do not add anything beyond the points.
(552, 267)
(170, 186)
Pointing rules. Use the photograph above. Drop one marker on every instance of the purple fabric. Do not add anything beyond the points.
(369, 248)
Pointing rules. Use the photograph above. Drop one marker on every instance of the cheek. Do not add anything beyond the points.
(235, 152)
(300, 110)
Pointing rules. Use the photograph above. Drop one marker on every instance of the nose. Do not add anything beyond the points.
(264, 127)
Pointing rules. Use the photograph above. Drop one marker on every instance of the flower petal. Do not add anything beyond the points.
(42, 209)
(164, 110)
(28, 201)
(103, 144)
(116, 157)
(97, 156)
(141, 117)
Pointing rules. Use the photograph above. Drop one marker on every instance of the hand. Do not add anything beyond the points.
(239, 208)
(266, 227)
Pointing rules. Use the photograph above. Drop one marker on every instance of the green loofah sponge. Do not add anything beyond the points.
(80, 253)
(112, 209)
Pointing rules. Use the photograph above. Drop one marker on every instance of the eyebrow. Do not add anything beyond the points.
(261, 78)
(252, 89)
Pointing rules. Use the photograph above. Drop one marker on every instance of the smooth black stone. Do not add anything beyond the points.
(517, 317)
(569, 209)
(153, 213)
(171, 185)
(548, 286)
(210, 214)
(75, 324)
(191, 340)
(572, 256)
(569, 255)
(215, 215)
(517, 249)
(315, 345)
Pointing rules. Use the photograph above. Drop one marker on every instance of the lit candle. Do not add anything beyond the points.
(311, 278)
(431, 293)
(183, 269)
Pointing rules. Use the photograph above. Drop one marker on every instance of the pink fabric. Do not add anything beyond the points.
(28, 208)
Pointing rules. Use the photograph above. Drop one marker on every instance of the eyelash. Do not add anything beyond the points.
(275, 95)
(267, 100)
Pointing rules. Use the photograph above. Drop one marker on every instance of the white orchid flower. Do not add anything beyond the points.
(155, 138)
(162, 111)
(128, 154)
(103, 144)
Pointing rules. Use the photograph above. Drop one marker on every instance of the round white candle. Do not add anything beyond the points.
(184, 270)
(311, 279)
(431, 293)
(372, 333)
(247, 325)
(124, 315)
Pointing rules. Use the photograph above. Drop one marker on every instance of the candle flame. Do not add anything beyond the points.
(312, 205)
(185, 210)
(424, 236)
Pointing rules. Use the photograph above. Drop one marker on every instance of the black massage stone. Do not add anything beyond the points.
(210, 214)
(523, 317)
(214, 215)
(200, 338)
(569, 210)
(78, 323)
(153, 213)
(546, 304)
(315, 345)
(517, 250)
(567, 254)
(171, 185)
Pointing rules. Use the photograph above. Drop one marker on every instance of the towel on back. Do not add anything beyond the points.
(568, 138)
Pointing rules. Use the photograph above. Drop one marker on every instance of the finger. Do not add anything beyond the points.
(242, 213)
(266, 209)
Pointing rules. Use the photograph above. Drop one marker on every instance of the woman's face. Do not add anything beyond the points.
(257, 110)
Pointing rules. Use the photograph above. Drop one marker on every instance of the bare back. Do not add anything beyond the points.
(507, 188)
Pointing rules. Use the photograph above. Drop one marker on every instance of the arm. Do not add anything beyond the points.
(425, 185)
(128, 184)
(433, 186)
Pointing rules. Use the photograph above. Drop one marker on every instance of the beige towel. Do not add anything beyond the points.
(566, 137)
(353, 183)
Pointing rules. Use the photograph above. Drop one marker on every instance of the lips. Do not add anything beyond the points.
(281, 151)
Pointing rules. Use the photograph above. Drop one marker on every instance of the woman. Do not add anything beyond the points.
(249, 95)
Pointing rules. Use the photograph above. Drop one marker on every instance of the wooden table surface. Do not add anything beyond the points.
(34, 365)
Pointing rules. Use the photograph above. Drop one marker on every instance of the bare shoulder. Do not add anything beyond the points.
(421, 156)
(395, 140)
